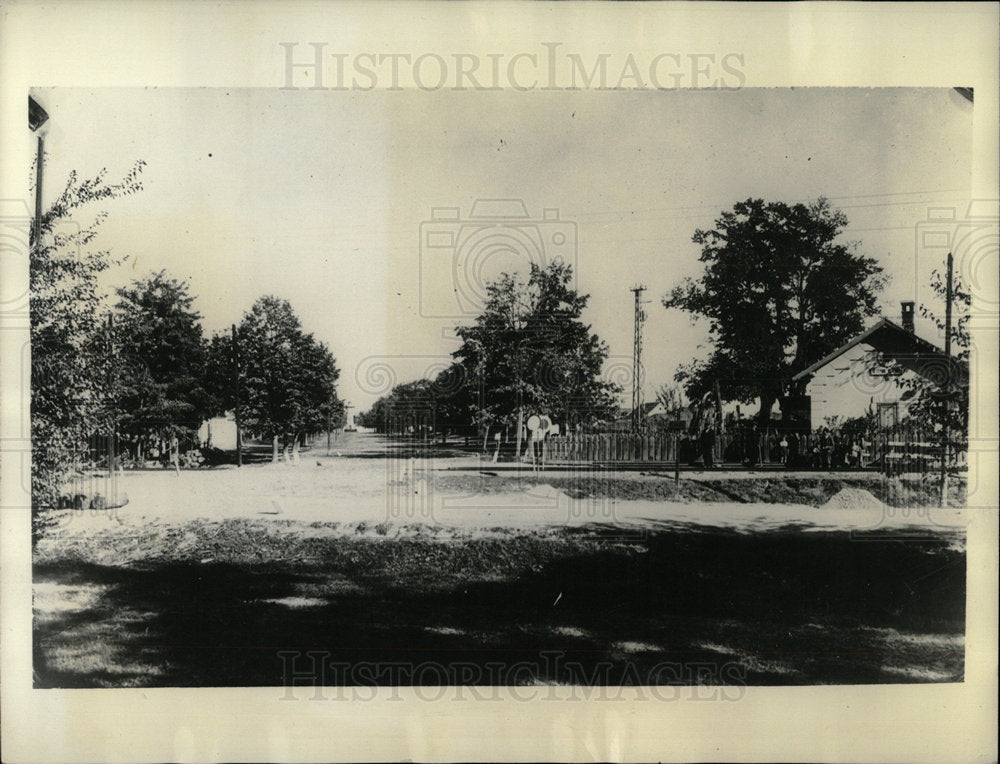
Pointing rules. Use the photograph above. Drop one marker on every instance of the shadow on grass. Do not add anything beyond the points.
(668, 608)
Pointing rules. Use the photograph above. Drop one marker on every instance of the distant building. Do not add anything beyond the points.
(651, 411)
(857, 376)
(219, 432)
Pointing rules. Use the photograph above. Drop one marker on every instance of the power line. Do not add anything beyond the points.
(721, 205)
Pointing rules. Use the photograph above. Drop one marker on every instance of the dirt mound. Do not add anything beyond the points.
(853, 498)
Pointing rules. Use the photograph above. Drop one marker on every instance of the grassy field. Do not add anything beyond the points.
(771, 488)
(242, 603)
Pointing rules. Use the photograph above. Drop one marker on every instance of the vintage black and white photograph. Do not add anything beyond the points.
(590, 388)
(498, 381)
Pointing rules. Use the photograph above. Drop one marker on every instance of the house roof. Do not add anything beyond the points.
(887, 337)
(647, 409)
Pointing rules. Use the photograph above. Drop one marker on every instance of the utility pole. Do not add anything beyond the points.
(947, 307)
(37, 116)
(236, 408)
(113, 434)
(38, 189)
(520, 413)
(946, 402)
(329, 429)
(637, 371)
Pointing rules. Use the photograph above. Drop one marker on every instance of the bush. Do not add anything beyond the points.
(211, 457)
(192, 459)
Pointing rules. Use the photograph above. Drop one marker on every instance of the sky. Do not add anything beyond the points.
(357, 207)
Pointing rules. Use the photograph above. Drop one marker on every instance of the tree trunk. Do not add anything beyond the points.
(520, 430)
(764, 415)
(763, 425)
(274, 449)
(295, 449)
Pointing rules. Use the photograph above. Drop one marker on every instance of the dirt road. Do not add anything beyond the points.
(459, 493)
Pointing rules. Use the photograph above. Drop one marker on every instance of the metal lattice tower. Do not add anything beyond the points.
(637, 370)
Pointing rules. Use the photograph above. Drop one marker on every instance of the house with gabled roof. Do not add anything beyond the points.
(865, 373)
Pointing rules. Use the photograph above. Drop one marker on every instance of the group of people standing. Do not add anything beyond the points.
(703, 429)
(825, 448)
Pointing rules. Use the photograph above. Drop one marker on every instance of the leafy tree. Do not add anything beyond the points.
(68, 336)
(529, 350)
(160, 344)
(671, 398)
(410, 408)
(452, 400)
(939, 399)
(391, 413)
(375, 416)
(220, 371)
(439, 405)
(288, 379)
(780, 291)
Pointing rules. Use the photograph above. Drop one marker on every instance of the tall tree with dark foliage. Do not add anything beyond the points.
(529, 351)
(288, 379)
(162, 353)
(780, 290)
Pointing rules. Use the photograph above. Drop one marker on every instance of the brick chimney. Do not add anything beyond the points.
(907, 316)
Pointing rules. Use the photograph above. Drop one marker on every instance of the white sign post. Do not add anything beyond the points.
(539, 425)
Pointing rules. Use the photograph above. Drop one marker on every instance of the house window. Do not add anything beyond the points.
(888, 415)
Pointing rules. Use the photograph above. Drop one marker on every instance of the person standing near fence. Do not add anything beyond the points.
(839, 450)
(707, 439)
(694, 432)
(792, 460)
(825, 448)
(751, 447)
(175, 453)
(855, 452)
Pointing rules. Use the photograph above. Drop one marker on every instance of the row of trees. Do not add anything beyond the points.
(780, 290)
(440, 405)
(167, 378)
(279, 379)
(139, 374)
(528, 352)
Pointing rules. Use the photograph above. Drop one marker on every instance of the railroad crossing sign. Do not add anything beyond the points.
(540, 426)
